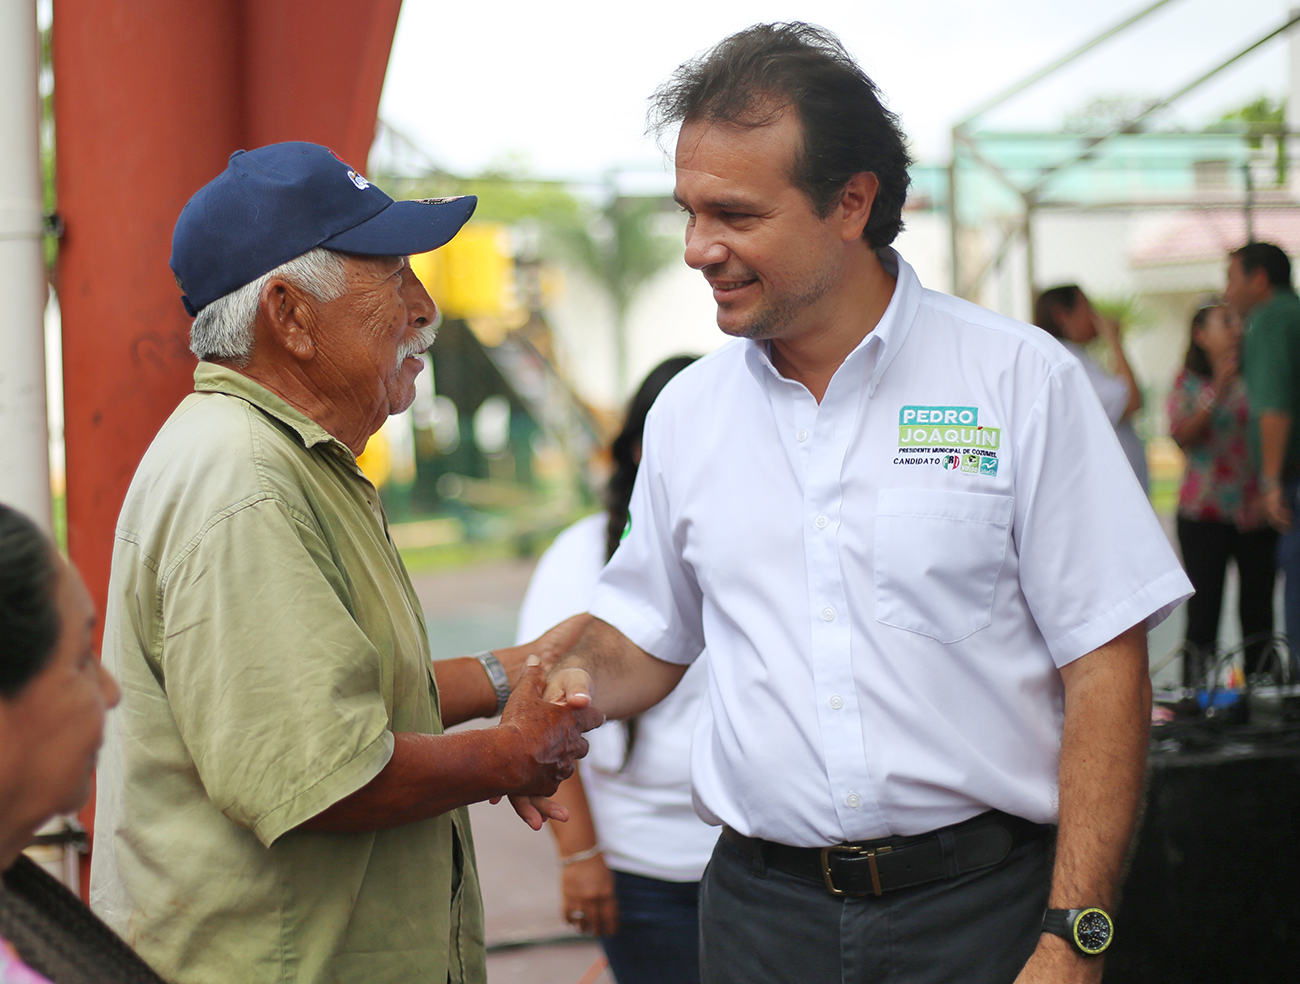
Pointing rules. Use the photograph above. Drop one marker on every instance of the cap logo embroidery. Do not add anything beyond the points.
(358, 180)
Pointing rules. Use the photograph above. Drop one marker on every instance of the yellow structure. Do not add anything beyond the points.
(473, 275)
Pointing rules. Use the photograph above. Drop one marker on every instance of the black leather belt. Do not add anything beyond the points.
(886, 865)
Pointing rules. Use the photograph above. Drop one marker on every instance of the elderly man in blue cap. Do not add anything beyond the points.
(277, 799)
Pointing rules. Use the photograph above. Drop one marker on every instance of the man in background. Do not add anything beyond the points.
(1259, 290)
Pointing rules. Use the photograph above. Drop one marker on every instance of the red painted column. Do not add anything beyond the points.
(151, 97)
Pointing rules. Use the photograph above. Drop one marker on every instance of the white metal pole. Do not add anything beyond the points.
(24, 430)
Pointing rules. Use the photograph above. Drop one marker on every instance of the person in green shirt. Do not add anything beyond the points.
(1259, 290)
(278, 802)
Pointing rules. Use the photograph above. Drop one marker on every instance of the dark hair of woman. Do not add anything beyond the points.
(626, 452)
(1049, 302)
(29, 615)
(626, 449)
(1197, 361)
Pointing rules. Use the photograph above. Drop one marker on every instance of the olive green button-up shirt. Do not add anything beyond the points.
(268, 643)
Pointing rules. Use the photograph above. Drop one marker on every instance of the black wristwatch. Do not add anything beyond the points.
(1088, 930)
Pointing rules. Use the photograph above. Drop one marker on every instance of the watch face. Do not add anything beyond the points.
(1093, 931)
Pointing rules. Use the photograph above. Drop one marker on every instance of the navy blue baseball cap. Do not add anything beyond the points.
(275, 203)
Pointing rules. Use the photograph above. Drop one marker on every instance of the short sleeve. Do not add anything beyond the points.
(1110, 566)
(648, 591)
(1269, 359)
(276, 693)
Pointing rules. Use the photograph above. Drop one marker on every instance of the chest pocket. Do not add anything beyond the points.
(938, 554)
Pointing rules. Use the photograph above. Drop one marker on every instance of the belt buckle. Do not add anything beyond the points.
(852, 850)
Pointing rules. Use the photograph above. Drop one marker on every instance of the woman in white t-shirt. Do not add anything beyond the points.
(1067, 314)
(633, 850)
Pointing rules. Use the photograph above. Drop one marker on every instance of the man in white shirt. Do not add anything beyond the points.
(893, 519)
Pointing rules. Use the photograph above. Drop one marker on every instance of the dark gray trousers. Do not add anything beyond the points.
(762, 926)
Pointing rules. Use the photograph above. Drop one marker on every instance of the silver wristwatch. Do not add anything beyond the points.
(497, 675)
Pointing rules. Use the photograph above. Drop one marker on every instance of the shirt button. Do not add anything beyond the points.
(801, 435)
(820, 522)
(853, 800)
(837, 702)
(828, 614)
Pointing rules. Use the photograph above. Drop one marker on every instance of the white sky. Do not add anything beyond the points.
(563, 85)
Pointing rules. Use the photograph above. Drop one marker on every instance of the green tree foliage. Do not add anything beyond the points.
(620, 248)
(1262, 117)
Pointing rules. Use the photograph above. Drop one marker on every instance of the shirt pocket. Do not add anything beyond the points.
(938, 554)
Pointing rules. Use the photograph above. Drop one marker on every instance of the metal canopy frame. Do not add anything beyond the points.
(973, 144)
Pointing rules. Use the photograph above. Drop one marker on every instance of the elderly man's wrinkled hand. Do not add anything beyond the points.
(549, 736)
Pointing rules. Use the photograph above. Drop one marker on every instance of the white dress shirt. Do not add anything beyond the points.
(645, 823)
(886, 582)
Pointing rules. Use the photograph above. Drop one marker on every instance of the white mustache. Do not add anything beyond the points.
(423, 338)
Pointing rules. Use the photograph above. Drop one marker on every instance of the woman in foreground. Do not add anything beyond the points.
(53, 698)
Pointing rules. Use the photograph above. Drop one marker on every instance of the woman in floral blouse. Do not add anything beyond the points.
(1218, 506)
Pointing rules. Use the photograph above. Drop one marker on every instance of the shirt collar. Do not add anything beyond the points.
(1280, 293)
(887, 337)
(212, 378)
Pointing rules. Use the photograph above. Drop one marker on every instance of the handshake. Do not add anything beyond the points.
(545, 719)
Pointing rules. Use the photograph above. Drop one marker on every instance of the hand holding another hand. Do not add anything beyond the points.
(549, 736)
(548, 647)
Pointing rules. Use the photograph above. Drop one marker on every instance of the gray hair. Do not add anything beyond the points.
(223, 329)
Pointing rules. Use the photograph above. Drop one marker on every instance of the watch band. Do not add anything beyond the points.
(496, 675)
(1090, 931)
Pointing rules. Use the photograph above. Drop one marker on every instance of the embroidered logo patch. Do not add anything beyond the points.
(949, 436)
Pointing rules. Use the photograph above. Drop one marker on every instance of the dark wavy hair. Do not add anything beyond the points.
(29, 614)
(1052, 300)
(626, 451)
(1197, 360)
(1268, 257)
(749, 79)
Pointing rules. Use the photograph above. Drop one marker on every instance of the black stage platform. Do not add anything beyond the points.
(1213, 894)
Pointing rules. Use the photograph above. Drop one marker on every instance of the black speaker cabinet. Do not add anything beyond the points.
(1213, 894)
